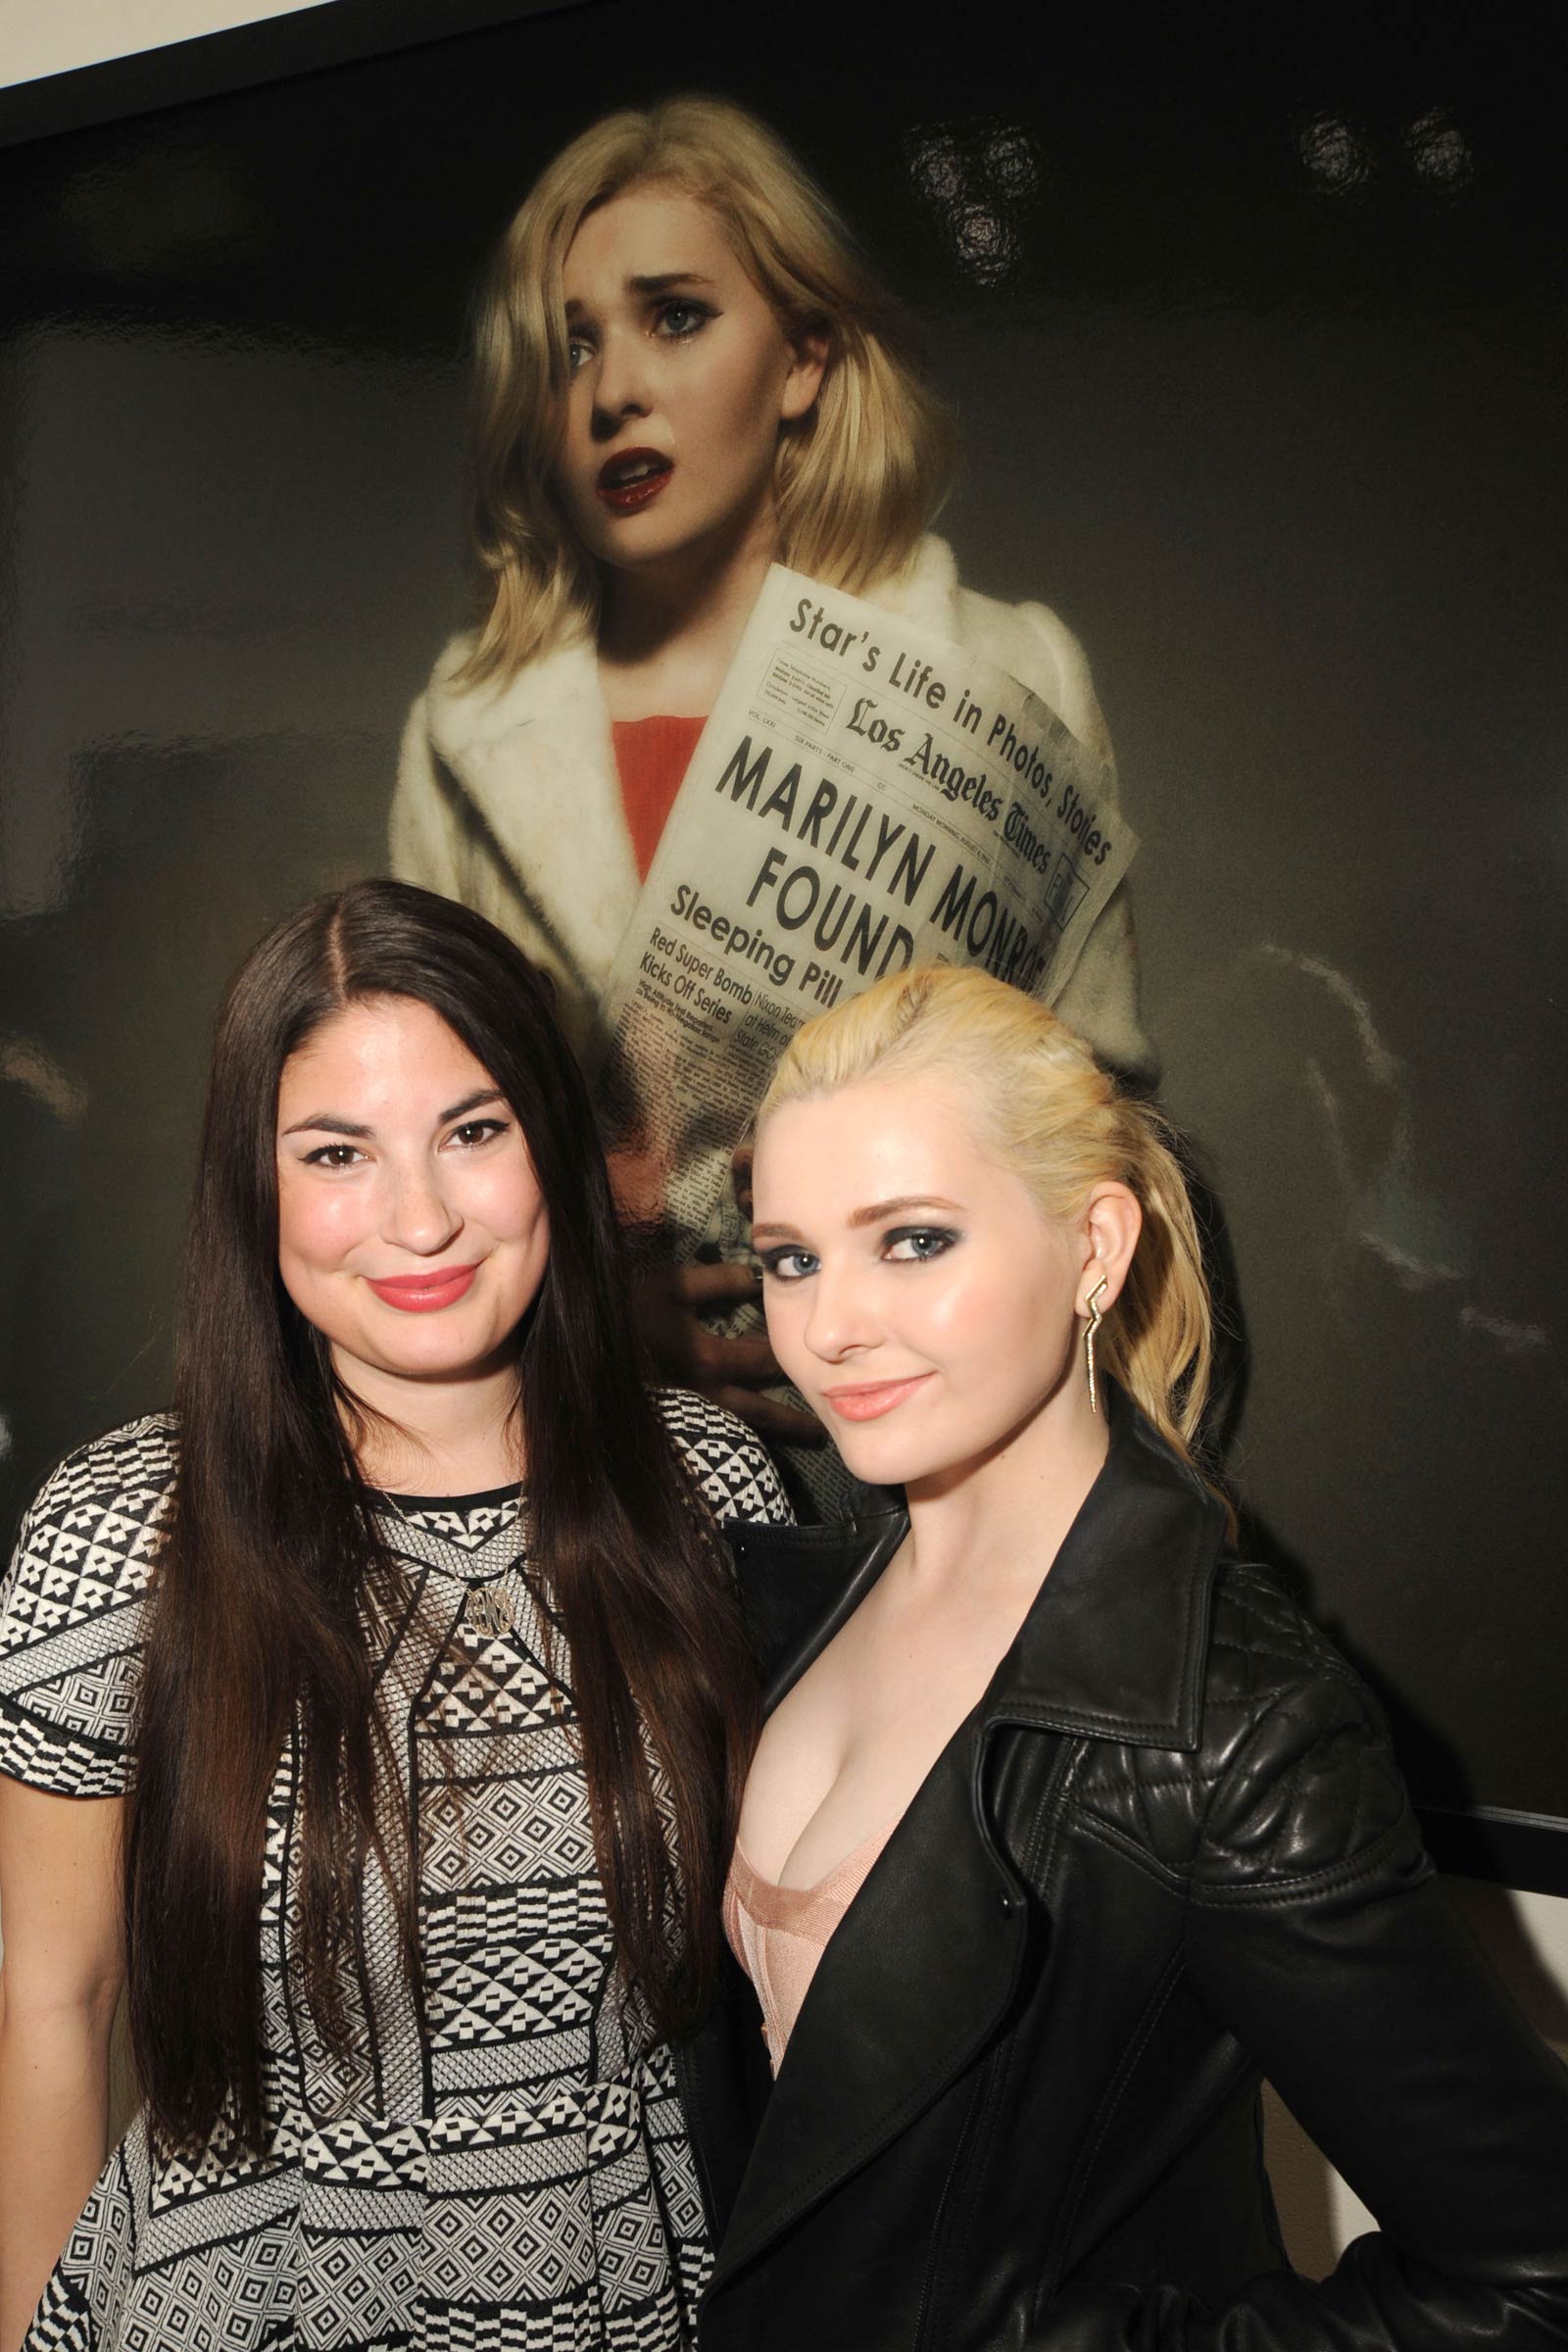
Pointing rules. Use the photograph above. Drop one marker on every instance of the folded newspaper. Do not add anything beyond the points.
(864, 797)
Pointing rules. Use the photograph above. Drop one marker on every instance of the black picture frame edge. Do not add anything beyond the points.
(213, 65)
(1525, 1851)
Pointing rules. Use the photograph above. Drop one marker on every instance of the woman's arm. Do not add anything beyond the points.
(60, 1980)
(1318, 1937)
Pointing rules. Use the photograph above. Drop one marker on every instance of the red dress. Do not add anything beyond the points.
(652, 756)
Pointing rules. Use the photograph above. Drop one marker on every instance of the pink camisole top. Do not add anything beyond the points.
(779, 1933)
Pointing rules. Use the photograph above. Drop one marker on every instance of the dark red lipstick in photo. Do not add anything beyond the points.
(632, 479)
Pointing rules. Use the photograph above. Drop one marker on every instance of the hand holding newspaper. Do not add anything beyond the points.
(864, 797)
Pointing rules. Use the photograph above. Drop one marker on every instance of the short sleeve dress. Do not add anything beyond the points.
(504, 2166)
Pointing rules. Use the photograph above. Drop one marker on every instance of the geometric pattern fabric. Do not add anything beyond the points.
(504, 2167)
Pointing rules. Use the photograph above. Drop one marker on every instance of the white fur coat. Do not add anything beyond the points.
(508, 798)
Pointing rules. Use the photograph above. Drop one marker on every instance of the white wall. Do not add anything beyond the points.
(54, 36)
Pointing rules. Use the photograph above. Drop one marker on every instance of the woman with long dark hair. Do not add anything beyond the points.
(1066, 1827)
(382, 1715)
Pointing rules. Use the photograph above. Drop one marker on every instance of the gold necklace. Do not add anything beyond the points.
(486, 1607)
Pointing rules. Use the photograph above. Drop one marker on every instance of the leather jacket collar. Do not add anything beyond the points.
(1114, 1647)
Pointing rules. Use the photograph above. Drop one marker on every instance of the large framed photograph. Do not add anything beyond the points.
(1253, 326)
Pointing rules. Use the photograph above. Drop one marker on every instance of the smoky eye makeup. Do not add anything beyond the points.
(918, 1245)
(787, 1261)
(679, 317)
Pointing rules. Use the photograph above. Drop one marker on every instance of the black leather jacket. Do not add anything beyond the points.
(1169, 1854)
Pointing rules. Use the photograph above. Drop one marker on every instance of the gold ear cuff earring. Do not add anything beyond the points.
(1096, 1318)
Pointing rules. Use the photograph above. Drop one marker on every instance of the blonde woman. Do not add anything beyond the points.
(1065, 1827)
(684, 372)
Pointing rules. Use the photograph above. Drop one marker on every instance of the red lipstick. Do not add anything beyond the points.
(632, 479)
(422, 1293)
(870, 1399)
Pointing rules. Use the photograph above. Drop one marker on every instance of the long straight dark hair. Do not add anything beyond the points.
(273, 1591)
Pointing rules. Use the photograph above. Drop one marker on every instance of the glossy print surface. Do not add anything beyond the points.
(682, 380)
(1256, 323)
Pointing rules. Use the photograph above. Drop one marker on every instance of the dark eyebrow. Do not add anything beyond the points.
(329, 1125)
(327, 1122)
(661, 281)
(473, 1101)
(874, 1215)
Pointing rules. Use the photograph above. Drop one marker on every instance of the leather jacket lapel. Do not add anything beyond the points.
(913, 1982)
(798, 1584)
(1114, 1645)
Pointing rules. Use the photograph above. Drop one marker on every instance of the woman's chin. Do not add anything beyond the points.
(882, 1456)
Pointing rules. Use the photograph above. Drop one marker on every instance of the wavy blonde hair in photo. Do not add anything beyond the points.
(857, 480)
(1044, 1108)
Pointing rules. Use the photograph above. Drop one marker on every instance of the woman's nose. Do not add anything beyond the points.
(621, 388)
(419, 1216)
(839, 1317)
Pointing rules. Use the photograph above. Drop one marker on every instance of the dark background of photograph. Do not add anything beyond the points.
(1255, 319)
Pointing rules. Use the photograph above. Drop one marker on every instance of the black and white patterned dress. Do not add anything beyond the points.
(507, 2170)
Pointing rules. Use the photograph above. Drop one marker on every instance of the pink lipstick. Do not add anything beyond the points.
(869, 1401)
(422, 1294)
(632, 479)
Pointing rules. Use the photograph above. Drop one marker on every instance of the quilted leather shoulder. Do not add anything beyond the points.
(1293, 1779)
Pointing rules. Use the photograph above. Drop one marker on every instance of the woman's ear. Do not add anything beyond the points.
(1111, 1226)
(807, 366)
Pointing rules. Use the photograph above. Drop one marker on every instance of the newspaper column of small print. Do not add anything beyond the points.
(864, 797)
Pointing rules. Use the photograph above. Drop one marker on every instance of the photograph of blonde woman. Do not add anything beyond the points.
(684, 371)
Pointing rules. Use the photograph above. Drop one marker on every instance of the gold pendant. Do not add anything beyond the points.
(489, 1610)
